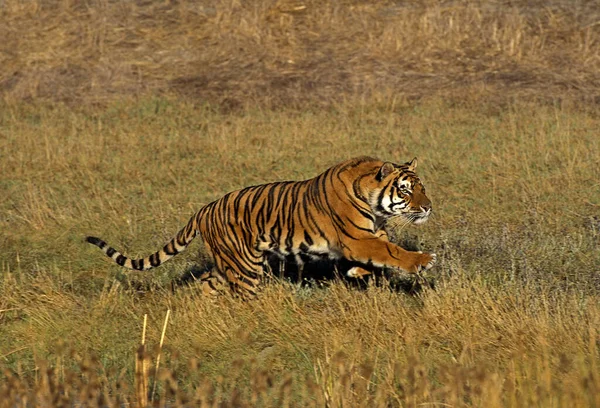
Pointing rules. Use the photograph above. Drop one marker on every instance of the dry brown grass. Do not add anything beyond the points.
(341, 348)
(513, 320)
(292, 52)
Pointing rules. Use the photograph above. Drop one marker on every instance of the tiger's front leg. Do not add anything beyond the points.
(359, 272)
(373, 250)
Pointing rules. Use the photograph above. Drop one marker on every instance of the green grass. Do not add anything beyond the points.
(513, 320)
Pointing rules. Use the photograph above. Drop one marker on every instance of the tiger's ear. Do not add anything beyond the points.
(412, 165)
(385, 170)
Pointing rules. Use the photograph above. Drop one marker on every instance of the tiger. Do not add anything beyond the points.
(339, 214)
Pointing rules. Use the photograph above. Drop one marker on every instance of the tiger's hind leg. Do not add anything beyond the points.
(243, 272)
(212, 283)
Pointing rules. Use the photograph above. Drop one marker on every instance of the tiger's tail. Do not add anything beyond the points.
(177, 245)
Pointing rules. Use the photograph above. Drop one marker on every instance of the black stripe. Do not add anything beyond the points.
(170, 249)
(179, 242)
(96, 241)
(308, 238)
(258, 195)
(154, 259)
(358, 227)
(120, 260)
(289, 243)
(245, 280)
(110, 252)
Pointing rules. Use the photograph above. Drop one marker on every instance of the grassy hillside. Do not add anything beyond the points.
(120, 119)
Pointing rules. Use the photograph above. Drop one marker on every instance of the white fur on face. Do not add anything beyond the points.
(421, 220)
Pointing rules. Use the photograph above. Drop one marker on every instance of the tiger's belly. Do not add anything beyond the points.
(317, 248)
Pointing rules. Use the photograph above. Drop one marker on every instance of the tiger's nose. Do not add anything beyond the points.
(426, 207)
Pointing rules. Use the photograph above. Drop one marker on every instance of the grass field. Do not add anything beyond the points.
(121, 119)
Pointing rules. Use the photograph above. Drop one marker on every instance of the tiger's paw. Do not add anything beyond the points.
(357, 272)
(425, 262)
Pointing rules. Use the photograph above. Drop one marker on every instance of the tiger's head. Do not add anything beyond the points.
(400, 193)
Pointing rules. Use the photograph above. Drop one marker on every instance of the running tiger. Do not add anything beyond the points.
(338, 214)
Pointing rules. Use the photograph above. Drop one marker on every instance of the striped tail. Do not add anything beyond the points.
(174, 247)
